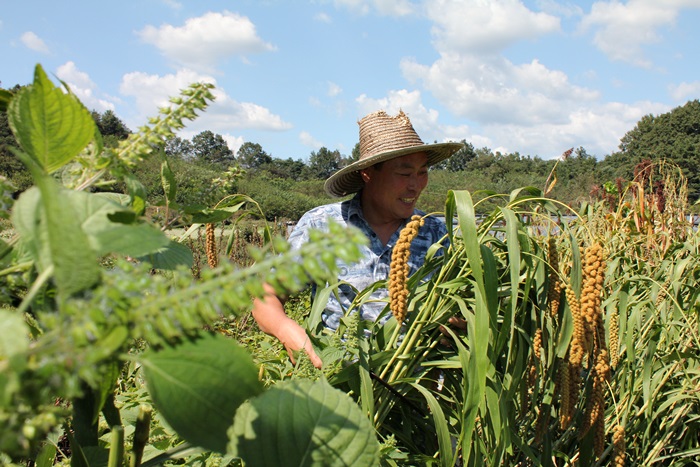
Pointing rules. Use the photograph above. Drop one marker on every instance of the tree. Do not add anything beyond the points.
(10, 166)
(252, 156)
(355, 156)
(212, 148)
(673, 136)
(110, 124)
(459, 160)
(111, 127)
(324, 163)
(288, 168)
(177, 147)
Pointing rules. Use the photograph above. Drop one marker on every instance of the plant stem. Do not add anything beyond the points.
(116, 449)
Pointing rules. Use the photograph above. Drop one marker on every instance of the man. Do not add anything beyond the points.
(388, 178)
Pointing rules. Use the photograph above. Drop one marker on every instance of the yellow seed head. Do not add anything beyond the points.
(591, 287)
(537, 344)
(614, 338)
(576, 350)
(619, 448)
(212, 256)
(399, 268)
(566, 408)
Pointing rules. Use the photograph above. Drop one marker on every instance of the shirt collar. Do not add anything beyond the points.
(355, 207)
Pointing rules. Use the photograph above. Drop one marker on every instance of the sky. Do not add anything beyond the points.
(535, 77)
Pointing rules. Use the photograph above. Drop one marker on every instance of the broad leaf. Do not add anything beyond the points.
(96, 214)
(197, 387)
(170, 256)
(50, 228)
(212, 216)
(14, 343)
(50, 126)
(167, 180)
(137, 193)
(303, 423)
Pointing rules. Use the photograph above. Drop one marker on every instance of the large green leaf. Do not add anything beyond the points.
(52, 127)
(170, 256)
(14, 343)
(303, 423)
(197, 387)
(167, 180)
(96, 216)
(50, 228)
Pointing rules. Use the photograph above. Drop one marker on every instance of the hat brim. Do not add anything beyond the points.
(348, 179)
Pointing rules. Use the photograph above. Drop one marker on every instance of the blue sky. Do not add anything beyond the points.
(536, 77)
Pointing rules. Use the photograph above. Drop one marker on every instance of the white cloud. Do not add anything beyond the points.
(83, 87)
(153, 91)
(494, 90)
(307, 140)
(684, 91)
(598, 128)
(394, 7)
(623, 29)
(175, 5)
(383, 7)
(234, 143)
(334, 89)
(526, 107)
(34, 42)
(206, 40)
(323, 18)
(424, 120)
(483, 27)
(222, 116)
(558, 8)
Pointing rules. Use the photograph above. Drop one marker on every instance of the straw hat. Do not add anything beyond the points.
(383, 137)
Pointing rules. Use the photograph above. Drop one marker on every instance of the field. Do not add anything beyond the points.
(126, 342)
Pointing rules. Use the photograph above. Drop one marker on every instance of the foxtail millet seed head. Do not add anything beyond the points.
(210, 246)
(399, 269)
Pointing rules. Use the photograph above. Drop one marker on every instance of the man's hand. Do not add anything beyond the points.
(294, 339)
(271, 318)
(457, 324)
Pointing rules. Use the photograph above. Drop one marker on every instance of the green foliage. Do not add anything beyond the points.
(214, 375)
(280, 198)
(110, 125)
(316, 425)
(673, 136)
(487, 396)
(323, 163)
(50, 126)
(459, 160)
(70, 340)
(252, 156)
(212, 148)
(89, 311)
(193, 181)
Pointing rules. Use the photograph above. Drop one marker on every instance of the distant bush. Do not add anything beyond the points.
(281, 198)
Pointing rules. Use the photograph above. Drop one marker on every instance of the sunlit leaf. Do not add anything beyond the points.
(52, 127)
(50, 228)
(170, 256)
(303, 423)
(197, 387)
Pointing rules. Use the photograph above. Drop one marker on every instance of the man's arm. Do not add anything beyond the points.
(271, 318)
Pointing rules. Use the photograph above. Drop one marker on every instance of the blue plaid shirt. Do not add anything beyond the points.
(376, 257)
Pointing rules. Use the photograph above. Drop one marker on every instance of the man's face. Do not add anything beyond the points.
(392, 190)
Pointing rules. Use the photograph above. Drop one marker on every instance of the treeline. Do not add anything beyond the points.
(206, 169)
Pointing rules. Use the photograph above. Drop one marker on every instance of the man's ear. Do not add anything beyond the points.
(364, 175)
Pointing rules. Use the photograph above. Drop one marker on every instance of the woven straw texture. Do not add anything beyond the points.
(383, 137)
